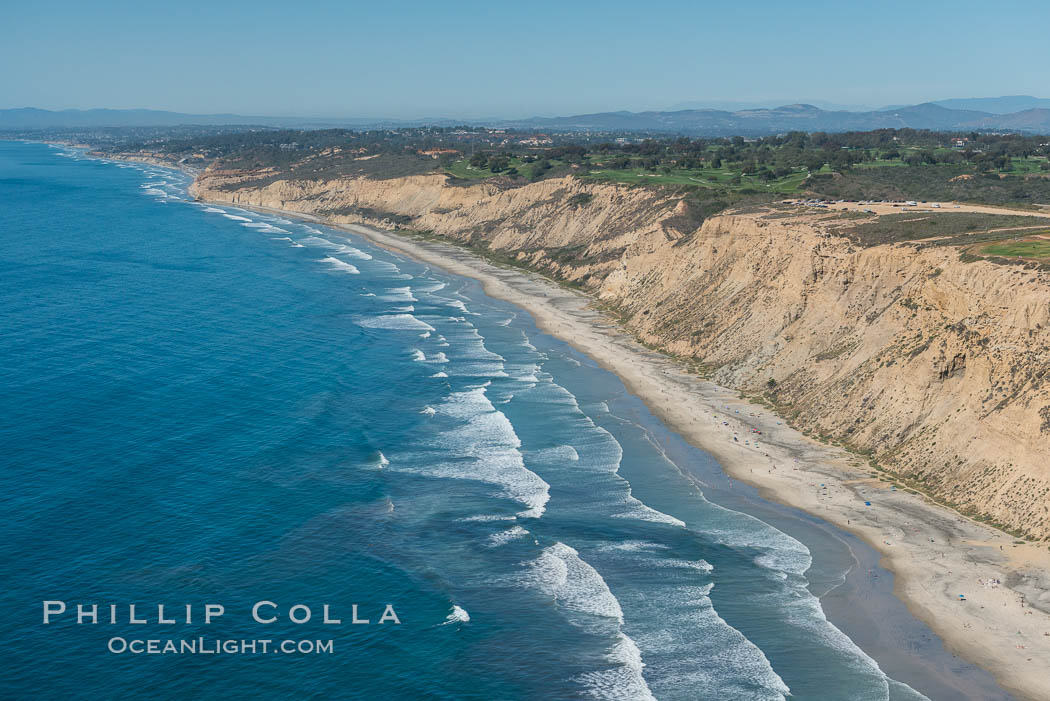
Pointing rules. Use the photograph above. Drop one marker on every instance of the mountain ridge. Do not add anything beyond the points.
(756, 121)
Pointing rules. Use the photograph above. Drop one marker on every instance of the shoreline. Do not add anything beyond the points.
(934, 553)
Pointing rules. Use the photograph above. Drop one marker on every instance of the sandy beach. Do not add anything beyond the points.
(984, 594)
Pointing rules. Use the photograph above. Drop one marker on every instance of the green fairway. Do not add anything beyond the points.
(1026, 166)
(1029, 248)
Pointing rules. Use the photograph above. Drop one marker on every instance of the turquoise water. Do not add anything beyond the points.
(208, 405)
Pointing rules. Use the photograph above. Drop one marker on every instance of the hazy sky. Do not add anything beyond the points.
(502, 59)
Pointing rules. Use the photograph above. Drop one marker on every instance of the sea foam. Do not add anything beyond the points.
(458, 615)
(585, 599)
(400, 322)
(337, 264)
(483, 446)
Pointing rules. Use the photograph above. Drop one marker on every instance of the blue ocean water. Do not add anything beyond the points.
(204, 404)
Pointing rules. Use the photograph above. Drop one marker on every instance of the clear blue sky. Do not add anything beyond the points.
(510, 59)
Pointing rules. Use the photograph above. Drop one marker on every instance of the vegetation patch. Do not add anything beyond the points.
(939, 183)
(581, 199)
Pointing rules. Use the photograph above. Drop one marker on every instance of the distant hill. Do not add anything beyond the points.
(996, 105)
(735, 106)
(1033, 120)
(930, 115)
(756, 122)
(700, 122)
(766, 121)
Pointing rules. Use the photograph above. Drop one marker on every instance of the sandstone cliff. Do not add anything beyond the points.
(938, 368)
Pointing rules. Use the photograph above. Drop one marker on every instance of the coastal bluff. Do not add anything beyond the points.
(932, 364)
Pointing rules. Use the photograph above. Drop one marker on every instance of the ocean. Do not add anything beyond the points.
(208, 405)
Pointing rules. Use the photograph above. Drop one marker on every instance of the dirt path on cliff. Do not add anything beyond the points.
(933, 208)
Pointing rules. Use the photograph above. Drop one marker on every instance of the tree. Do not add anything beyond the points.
(498, 163)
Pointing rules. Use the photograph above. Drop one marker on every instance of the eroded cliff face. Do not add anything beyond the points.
(939, 368)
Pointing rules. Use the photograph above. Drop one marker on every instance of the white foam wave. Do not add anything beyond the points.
(483, 446)
(472, 357)
(777, 550)
(487, 518)
(353, 252)
(559, 453)
(340, 248)
(580, 591)
(457, 304)
(713, 658)
(503, 537)
(236, 217)
(430, 286)
(400, 322)
(648, 547)
(605, 454)
(633, 546)
(638, 510)
(390, 268)
(398, 294)
(458, 615)
(337, 264)
(562, 574)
